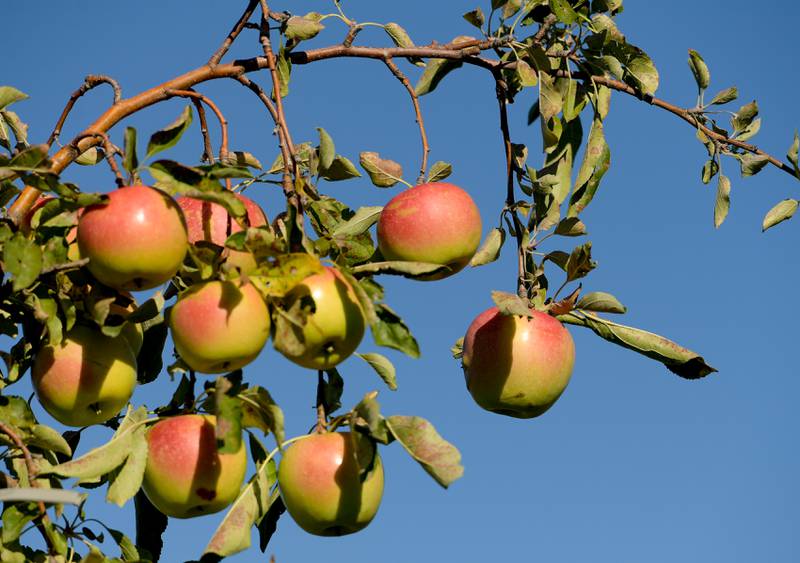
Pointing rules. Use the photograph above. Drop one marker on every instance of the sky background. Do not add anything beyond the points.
(633, 464)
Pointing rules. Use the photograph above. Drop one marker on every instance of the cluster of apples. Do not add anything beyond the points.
(138, 240)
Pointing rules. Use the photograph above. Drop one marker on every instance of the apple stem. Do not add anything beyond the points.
(322, 416)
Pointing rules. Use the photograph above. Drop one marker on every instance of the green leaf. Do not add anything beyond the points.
(228, 409)
(439, 171)
(384, 173)
(22, 258)
(710, 169)
(366, 416)
(284, 273)
(150, 525)
(563, 11)
(90, 156)
(676, 358)
(475, 17)
(580, 262)
(600, 302)
(528, 77)
(752, 164)
(10, 95)
(511, 7)
(551, 98)
(284, 67)
(124, 485)
(359, 223)
(126, 545)
(107, 457)
(400, 268)
(490, 249)
(16, 517)
(781, 212)
(340, 169)
(725, 96)
(300, 28)
(240, 159)
(47, 438)
(744, 117)
(596, 162)
(390, 331)
(383, 367)
(130, 162)
(19, 128)
(400, 37)
(174, 177)
(434, 72)
(570, 227)
(259, 410)
(641, 69)
(233, 533)
(171, 134)
(699, 70)
(750, 130)
(723, 201)
(16, 411)
(510, 304)
(438, 457)
(327, 149)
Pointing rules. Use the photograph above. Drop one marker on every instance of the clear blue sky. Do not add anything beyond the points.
(632, 464)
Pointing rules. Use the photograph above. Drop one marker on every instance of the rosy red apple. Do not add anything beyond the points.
(87, 379)
(517, 366)
(437, 223)
(335, 328)
(185, 475)
(208, 221)
(219, 326)
(136, 241)
(321, 487)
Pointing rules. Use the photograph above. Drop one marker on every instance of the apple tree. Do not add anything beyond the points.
(176, 277)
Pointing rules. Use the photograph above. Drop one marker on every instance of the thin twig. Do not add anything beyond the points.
(89, 82)
(546, 25)
(414, 100)
(208, 151)
(502, 101)
(109, 149)
(234, 33)
(223, 123)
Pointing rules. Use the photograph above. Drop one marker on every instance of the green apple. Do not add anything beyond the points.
(86, 379)
(185, 475)
(208, 221)
(219, 326)
(515, 365)
(136, 241)
(336, 326)
(320, 484)
(436, 222)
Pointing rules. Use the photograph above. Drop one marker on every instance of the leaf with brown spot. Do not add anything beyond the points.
(438, 457)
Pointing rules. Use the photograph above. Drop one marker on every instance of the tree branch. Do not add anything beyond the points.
(223, 123)
(89, 82)
(109, 149)
(234, 33)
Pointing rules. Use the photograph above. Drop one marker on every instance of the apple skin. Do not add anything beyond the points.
(185, 476)
(517, 366)
(87, 379)
(335, 328)
(219, 326)
(436, 222)
(321, 488)
(208, 221)
(135, 242)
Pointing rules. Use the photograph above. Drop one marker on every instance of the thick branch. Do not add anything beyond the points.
(89, 82)
(414, 100)
(234, 33)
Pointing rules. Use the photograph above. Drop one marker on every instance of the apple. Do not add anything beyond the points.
(208, 221)
(515, 365)
(134, 242)
(219, 326)
(321, 487)
(335, 328)
(185, 475)
(436, 222)
(86, 379)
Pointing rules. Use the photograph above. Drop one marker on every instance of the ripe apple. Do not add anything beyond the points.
(517, 366)
(321, 487)
(87, 379)
(219, 326)
(335, 328)
(436, 222)
(136, 241)
(185, 475)
(208, 221)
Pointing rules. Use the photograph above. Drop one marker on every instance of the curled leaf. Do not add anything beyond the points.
(383, 172)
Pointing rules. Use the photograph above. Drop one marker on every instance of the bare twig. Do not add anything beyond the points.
(234, 33)
(208, 152)
(109, 149)
(223, 123)
(89, 82)
(414, 100)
